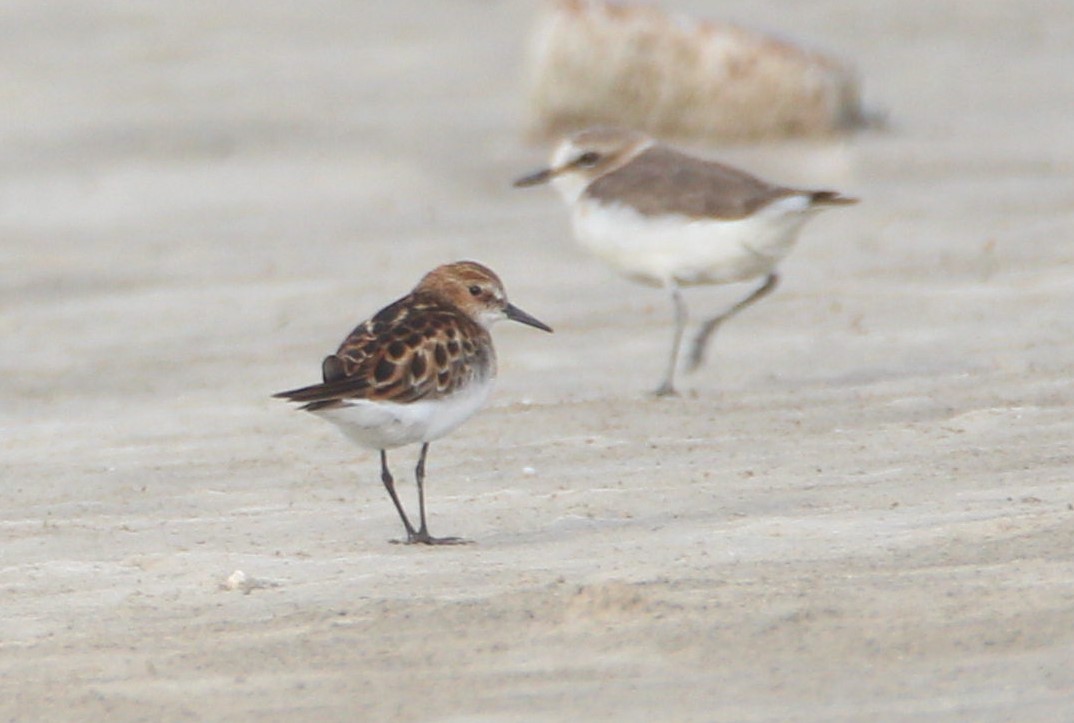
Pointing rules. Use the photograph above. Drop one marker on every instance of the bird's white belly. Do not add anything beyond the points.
(663, 249)
(386, 425)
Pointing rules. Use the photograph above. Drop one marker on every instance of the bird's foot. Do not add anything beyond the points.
(665, 390)
(424, 538)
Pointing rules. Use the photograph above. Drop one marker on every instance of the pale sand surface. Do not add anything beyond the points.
(862, 510)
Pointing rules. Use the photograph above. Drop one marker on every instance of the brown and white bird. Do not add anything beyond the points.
(668, 219)
(415, 371)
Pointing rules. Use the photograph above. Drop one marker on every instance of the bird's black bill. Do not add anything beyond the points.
(516, 314)
(542, 176)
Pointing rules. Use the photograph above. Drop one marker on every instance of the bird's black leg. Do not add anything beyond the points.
(389, 484)
(704, 334)
(422, 536)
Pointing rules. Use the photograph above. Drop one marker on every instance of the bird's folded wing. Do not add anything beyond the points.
(405, 353)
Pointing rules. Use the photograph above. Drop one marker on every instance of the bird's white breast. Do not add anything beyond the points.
(386, 425)
(673, 248)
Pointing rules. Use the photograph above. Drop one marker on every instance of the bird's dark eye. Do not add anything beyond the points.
(589, 158)
(475, 290)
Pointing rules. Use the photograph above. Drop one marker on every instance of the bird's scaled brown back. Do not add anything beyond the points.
(419, 347)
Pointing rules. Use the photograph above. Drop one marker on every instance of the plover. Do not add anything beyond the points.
(415, 371)
(668, 219)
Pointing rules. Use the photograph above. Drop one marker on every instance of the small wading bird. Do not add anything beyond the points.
(667, 219)
(416, 370)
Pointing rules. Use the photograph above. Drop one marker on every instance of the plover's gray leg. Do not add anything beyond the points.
(667, 387)
(704, 334)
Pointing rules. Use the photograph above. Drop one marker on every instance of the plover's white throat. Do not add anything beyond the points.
(668, 219)
(415, 371)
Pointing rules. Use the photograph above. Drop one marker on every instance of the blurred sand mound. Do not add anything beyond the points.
(595, 62)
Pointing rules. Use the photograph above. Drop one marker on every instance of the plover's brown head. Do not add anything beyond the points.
(477, 291)
(586, 155)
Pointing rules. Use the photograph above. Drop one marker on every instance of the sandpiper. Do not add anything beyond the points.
(415, 371)
(668, 219)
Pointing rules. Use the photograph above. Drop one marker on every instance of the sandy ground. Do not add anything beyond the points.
(863, 509)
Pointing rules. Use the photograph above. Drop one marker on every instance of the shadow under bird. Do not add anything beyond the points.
(664, 218)
(415, 371)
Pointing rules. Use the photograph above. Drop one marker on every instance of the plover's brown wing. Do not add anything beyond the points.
(416, 348)
(661, 180)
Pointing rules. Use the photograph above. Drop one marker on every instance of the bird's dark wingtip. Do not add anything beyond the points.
(832, 198)
(303, 394)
